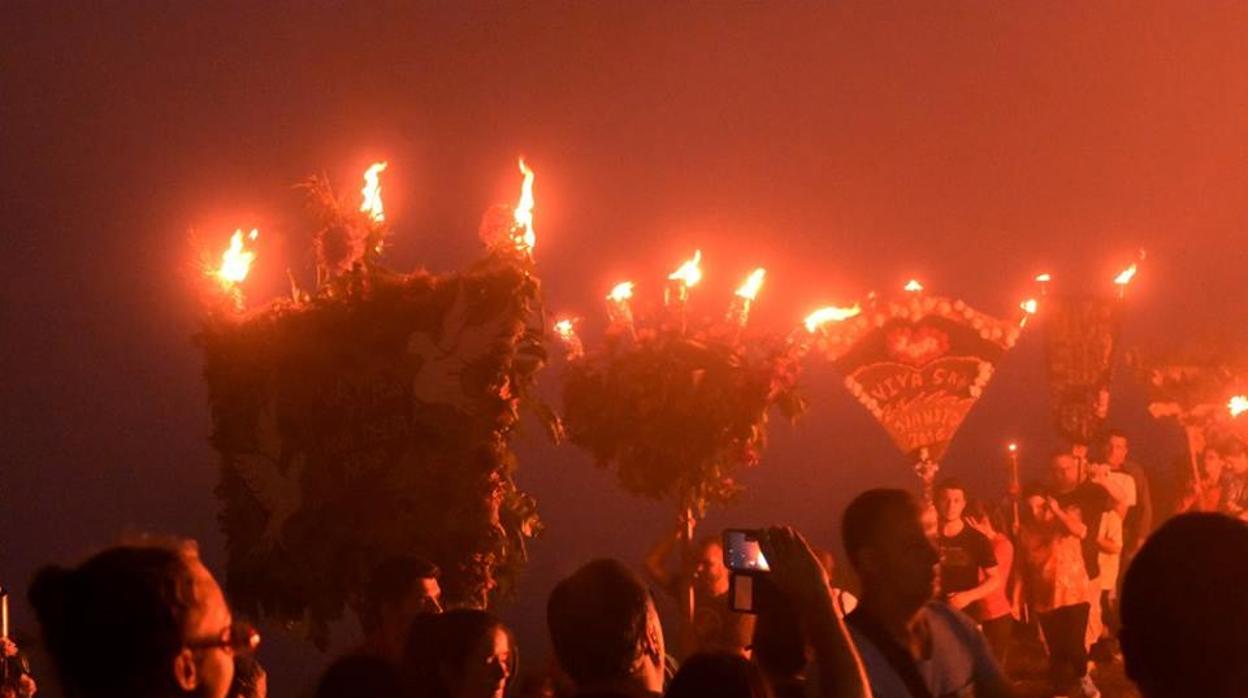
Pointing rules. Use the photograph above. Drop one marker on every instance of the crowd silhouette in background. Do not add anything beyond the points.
(952, 588)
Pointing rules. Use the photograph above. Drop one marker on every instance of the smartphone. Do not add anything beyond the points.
(742, 552)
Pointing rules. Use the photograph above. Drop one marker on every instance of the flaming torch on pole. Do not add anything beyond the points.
(1029, 308)
(739, 311)
(676, 294)
(371, 203)
(235, 265)
(566, 330)
(522, 232)
(1124, 279)
(619, 311)
(1014, 486)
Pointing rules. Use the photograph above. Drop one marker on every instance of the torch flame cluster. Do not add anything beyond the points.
(237, 259)
(1237, 405)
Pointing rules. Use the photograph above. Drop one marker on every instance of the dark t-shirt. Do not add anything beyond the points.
(962, 557)
(1092, 501)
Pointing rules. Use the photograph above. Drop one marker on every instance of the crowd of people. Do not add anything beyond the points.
(940, 611)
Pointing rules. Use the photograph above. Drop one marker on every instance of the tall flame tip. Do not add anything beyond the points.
(236, 260)
(690, 272)
(1124, 277)
(754, 282)
(913, 286)
(525, 237)
(1238, 405)
(371, 205)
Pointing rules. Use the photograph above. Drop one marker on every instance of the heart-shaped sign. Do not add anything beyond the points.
(919, 367)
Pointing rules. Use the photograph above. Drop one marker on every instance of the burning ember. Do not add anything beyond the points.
(1238, 405)
(236, 261)
(749, 289)
(822, 316)
(372, 193)
(525, 238)
(913, 286)
(689, 273)
(1029, 306)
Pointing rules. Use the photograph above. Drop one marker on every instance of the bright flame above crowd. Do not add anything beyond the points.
(822, 316)
(565, 329)
(236, 260)
(371, 206)
(1044, 278)
(526, 239)
(621, 292)
(913, 286)
(1238, 405)
(689, 273)
(1030, 306)
(749, 289)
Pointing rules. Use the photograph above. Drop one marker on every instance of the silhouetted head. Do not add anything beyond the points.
(604, 628)
(1185, 610)
(886, 544)
(143, 620)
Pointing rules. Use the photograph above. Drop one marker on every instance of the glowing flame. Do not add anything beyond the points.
(1238, 405)
(913, 286)
(564, 329)
(622, 292)
(689, 273)
(1013, 447)
(749, 289)
(526, 239)
(1029, 306)
(236, 261)
(823, 316)
(1124, 277)
(372, 192)
(1044, 278)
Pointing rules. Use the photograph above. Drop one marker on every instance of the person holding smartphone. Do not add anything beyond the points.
(709, 623)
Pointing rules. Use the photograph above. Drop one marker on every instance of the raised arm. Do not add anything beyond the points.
(799, 575)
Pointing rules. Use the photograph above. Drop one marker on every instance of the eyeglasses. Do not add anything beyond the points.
(239, 638)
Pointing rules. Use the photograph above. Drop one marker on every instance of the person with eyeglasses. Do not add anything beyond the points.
(142, 620)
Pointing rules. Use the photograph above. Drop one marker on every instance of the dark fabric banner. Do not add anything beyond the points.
(1081, 337)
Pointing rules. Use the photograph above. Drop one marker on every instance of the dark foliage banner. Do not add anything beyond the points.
(369, 421)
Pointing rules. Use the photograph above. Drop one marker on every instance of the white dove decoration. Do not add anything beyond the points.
(277, 492)
(440, 361)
